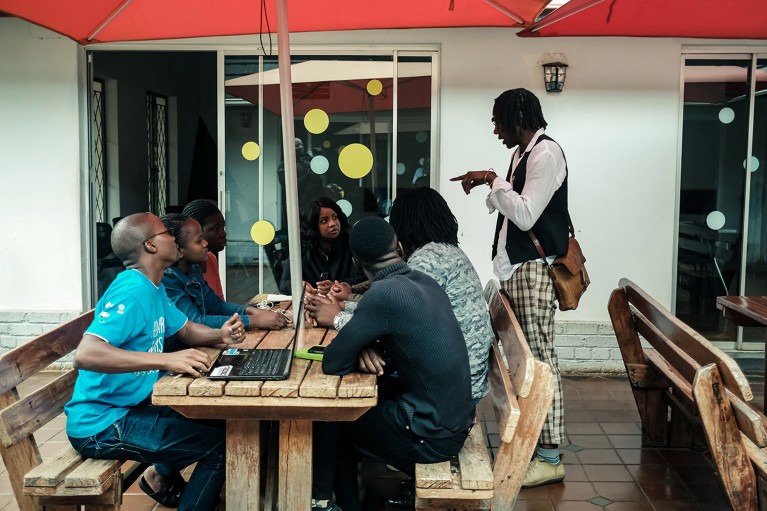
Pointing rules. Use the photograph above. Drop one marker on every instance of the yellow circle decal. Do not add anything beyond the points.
(262, 232)
(326, 144)
(316, 121)
(355, 161)
(251, 151)
(375, 87)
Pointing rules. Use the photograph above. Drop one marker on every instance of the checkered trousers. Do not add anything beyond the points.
(531, 294)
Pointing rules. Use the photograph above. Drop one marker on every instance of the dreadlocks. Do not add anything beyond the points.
(422, 216)
(201, 210)
(518, 109)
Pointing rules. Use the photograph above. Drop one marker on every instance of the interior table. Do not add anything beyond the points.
(745, 311)
(307, 395)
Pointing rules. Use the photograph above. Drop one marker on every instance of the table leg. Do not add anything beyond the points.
(295, 472)
(243, 464)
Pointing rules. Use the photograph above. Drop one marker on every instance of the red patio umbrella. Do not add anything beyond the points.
(92, 21)
(709, 19)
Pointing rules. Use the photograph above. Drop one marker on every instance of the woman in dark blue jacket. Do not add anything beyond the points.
(193, 296)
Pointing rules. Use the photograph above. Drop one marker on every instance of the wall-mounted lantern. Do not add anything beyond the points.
(554, 76)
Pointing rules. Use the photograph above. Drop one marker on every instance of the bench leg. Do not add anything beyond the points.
(116, 493)
(653, 412)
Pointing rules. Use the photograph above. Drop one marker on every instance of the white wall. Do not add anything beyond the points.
(619, 134)
(617, 121)
(39, 168)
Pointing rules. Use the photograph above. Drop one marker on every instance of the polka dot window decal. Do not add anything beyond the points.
(400, 168)
(316, 121)
(262, 232)
(754, 163)
(375, 87)
(715, 220)
(421, 137)
(251, 151)
(355, 161)
(345, 206)
(326, 144)
(319, 164)
(726, 115)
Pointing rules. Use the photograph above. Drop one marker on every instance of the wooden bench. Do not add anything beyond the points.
(521, 396)
(65, 480)
(736, 433)
(662, 377)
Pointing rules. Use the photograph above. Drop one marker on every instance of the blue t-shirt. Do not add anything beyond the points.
(133, 315)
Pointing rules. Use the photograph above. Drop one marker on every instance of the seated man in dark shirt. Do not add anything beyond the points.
(424, 414)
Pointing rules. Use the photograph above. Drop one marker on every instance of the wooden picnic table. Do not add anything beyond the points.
(745, 311)
(307, 395)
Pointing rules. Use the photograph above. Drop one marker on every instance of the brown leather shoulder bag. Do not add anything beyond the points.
(568, 272)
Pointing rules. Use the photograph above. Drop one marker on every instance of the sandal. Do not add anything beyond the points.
(169, 496)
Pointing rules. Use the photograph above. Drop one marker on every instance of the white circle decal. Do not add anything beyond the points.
(715, 220)
(345, 206)
(319, 164)
(726, 115)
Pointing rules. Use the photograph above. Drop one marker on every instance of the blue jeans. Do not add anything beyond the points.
(159, 435)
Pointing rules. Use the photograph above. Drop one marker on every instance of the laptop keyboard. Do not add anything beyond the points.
(266, 362)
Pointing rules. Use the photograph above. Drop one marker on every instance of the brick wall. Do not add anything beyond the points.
(587, 347)
(18, 327)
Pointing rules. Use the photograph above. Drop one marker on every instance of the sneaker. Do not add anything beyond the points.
(406, 497)
(324, 505)
(540, 472)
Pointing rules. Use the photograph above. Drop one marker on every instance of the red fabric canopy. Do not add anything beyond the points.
(89, 21)
(709, 19)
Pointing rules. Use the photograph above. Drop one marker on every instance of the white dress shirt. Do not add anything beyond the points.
(546, 170)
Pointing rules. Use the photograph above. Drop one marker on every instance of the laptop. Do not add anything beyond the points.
(258, 364)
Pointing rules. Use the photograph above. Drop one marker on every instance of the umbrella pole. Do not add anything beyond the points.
(289, 152)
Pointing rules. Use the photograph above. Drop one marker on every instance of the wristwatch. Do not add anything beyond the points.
(337, 321)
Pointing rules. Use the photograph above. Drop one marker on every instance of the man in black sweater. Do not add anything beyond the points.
(424, 412)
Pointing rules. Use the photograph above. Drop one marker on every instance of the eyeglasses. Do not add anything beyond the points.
(156, 234)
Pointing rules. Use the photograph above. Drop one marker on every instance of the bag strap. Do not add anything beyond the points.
(538, 243)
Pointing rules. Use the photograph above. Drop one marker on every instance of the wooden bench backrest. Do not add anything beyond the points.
(521, 395)
(731, 426)
(634, 312)
(21, 417)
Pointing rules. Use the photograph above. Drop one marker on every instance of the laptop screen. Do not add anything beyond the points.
(298, 322)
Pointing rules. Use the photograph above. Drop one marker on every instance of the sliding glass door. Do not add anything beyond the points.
(721, 244)
(363, 131)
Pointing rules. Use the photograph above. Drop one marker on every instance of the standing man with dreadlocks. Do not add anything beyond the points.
(532, 197)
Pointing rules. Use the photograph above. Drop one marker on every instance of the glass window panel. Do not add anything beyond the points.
(714, 142)
(344, 140)
(756, 247)
(414, 126)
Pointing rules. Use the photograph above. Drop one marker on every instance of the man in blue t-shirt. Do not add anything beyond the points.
(110, 414)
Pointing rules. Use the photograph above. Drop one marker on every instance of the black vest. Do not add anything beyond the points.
(551, 228)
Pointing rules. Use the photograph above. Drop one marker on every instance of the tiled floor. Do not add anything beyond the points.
(607, 468)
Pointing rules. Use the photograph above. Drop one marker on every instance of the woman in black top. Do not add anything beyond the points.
(325, 254)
